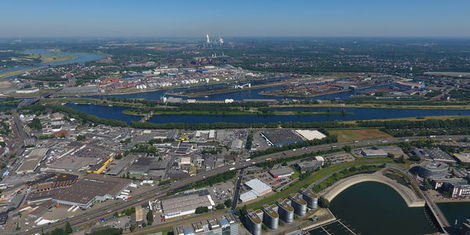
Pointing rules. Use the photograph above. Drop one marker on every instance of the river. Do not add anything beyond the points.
(238, 94)
(336, 115)
(79, 57)
(375, 208)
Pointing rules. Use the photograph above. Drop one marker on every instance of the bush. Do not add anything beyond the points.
(202, 209)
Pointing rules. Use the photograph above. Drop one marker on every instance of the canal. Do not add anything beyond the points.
(335, 115)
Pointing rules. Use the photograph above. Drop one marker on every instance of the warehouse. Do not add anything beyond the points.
(281, 172)
(310, 134)
(31, 162)
(186, 203)
(279, 137)
(91, 189)
(258, 187)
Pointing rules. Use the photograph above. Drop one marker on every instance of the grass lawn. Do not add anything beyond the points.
(296, 187)
(345, 135)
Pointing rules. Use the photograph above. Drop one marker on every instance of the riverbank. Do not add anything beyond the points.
(373, 105)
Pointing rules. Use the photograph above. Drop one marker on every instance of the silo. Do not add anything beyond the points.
(286, 212)
(311, 199)
(271, 217)
(299, 204)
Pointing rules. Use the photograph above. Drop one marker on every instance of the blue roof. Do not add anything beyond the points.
(224, 222)
(188, 230)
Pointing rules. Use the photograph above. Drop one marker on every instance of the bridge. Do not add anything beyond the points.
(410, 197)
(441, 220)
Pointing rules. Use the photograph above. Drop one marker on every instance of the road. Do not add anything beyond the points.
(93, 215)
(236, 193)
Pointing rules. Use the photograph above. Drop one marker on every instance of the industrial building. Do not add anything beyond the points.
(101, 166)
(271, 217)
(279, 137)
(308, 165)
(226, 224)
(433, 170)
(31, 161)
(186, 203)
(299, 204)
(258, 189)
(253, 222)
(373, 152)
(434, 154)
(281, 172)
(85, 192)
(310, 134)
(285, 210)
(463, 158)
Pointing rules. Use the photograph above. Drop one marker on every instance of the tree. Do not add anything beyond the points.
(220, 206)
(347, 148)
(401, 159)
(150, 217)
(68, 228)
(81, 137)
(323, 202)
(36, 124)
(228, 203)
(202, 209)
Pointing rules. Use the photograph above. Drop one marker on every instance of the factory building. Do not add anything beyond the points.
(433, 170)
(186, 203)
(299, 204)
(226, 224)
(253, 222)
(86, 191)
(32, 160)
(258, 189)
(285, 210)
(279, 137)
(281, 172)
(373, 152)
(100, 167)
(271, 217)
(310, 198)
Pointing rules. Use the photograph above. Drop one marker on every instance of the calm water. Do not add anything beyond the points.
(80, 58)
(240, 94)
(374, 208)
(107, 112)
(456, 211)
(352, 114)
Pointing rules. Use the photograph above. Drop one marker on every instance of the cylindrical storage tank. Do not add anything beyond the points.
(299, 208)
(286, 215)
(271, 218)
(312, 202)
(256, 229)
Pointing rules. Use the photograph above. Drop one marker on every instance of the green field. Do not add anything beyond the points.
(296, 187)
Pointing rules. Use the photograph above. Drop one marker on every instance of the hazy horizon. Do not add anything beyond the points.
(179, 18)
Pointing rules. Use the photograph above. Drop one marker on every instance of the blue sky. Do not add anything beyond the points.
(155, 18)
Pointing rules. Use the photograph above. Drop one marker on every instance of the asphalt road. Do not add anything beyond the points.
(93, 215)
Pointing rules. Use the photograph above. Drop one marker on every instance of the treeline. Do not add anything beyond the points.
(225, 125)
(270, 164)
(346, 173)
(209, 181)
(430, 123)
(399, 128)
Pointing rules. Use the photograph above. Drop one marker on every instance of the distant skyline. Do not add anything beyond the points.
(267, 18)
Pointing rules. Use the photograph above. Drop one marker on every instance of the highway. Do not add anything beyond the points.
(93, 215)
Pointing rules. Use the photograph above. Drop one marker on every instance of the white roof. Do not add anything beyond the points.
(248, 196)
(258, 187)
(310, 134)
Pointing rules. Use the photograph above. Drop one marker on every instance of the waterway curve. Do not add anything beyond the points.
(408, 195)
